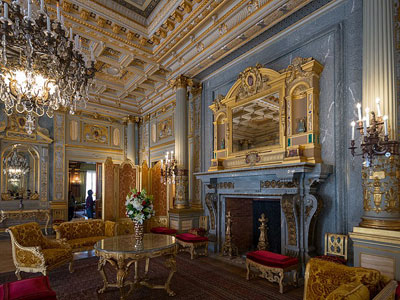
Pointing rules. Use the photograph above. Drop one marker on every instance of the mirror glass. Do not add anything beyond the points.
(20, 173)
(256, 123)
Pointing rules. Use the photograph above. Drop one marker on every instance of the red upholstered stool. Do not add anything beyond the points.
(272, 266)
(163, 230)
(37, 288)
(190, 242)
(398, 291)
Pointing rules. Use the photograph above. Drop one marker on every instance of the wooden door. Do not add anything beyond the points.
(158, 190)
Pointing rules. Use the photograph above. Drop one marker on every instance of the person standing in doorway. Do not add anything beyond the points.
(89, 204)
(71, 205)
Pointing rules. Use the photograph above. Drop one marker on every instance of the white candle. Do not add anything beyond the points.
(367, 116)
(29, 9)
(48, 24)
(58, 12)
(42, 5)
(5, 10)
(378, 106)
(167, 155)
(365, 126)
(71, 35)
(359, 111)
(385, 123)
(62, 20)
(162, 163)
(172, 154)
(353, 124)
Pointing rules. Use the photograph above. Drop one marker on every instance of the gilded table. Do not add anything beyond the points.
(121, 253)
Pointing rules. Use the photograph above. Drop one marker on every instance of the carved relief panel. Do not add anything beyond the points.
(127, 182)
(158, 190)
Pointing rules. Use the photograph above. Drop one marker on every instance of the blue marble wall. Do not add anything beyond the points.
(333, 36)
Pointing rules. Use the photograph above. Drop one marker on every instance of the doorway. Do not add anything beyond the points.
(83, 177)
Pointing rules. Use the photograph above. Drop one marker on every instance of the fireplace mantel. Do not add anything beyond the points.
(294, 184)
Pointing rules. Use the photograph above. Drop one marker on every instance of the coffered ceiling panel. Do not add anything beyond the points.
(140, 45)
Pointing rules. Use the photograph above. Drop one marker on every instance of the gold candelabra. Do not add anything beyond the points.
(169, 169)
(375, 140)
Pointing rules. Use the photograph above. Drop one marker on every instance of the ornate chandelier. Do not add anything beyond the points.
(42, 66)
(169, 169)
(15, 166)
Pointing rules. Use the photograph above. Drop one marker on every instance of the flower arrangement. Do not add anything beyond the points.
(139, 206)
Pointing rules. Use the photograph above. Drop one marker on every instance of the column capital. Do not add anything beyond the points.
(131, 119)
(181, 82)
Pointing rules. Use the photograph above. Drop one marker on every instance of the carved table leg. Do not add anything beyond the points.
(281, 276)
(248, 270)
(146, 269)
(100, 268)
(18, 274)
(171, 264)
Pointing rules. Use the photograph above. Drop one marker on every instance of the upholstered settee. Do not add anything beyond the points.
(32, 252)
(82, 235)
(325, 280)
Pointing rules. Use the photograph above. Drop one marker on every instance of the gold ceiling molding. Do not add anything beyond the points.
(181, 26)
(232, 30)
(117, 37)
(206, 32)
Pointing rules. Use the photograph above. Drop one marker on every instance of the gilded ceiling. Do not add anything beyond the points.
(140, 45)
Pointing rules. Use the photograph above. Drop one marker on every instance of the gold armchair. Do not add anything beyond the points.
(32, 252)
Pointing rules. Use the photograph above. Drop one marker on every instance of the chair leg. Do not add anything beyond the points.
(71, 267)
(18, 274)
(248, 270)
(191, 251)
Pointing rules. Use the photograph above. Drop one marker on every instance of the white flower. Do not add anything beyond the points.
(137, 205)
(130, 212)
(139, 218)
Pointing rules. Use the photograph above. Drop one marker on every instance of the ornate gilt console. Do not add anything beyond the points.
(268, 117)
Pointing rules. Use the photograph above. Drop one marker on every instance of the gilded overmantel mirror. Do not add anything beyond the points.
(268, 117)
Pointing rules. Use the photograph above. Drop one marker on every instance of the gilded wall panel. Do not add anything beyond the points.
(95, 134)
(59, 157)
(159, 191)
(165, 128)
(127, 182)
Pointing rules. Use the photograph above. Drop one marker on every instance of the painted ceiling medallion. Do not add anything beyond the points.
(113, 71)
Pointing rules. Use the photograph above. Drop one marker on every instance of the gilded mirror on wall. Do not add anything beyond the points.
(256, 123)
(20, 173)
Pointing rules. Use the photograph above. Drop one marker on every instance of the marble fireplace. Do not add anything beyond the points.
(291, 187)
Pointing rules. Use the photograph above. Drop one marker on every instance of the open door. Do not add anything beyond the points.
(99, 190)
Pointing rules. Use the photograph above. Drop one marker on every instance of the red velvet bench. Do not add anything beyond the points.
(163, 230)
(272, 266)
(190, 242)
(37, 288)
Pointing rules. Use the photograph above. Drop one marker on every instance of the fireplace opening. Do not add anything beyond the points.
(245, 213)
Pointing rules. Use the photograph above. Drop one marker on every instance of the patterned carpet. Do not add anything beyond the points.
(202, 278)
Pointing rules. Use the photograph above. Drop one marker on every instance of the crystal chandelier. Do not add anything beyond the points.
(169, 169)
(375, 140)
(42, 66)
(15, 166)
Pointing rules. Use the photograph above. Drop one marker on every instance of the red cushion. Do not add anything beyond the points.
(191, 238)
(335, 259)
(37, 288)
(398, 291)
(163, 230)
(271, 259)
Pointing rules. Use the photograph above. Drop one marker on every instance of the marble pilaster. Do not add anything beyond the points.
(379, 78)
(131, 139)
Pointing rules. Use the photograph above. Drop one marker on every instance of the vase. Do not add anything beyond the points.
(139, 234)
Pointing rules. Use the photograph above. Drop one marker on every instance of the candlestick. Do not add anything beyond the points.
(365, 126)
(42, 5)
(5, 10)
(29, 9)
(378, 106)
(353, 124)
(385, 123)
(367, 116)
(62, 20)
(58, 12)
(359, 111)
(48, 24)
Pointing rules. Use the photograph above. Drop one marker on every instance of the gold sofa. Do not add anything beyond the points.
(82, 235)
(325, 280)
(32, 252)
